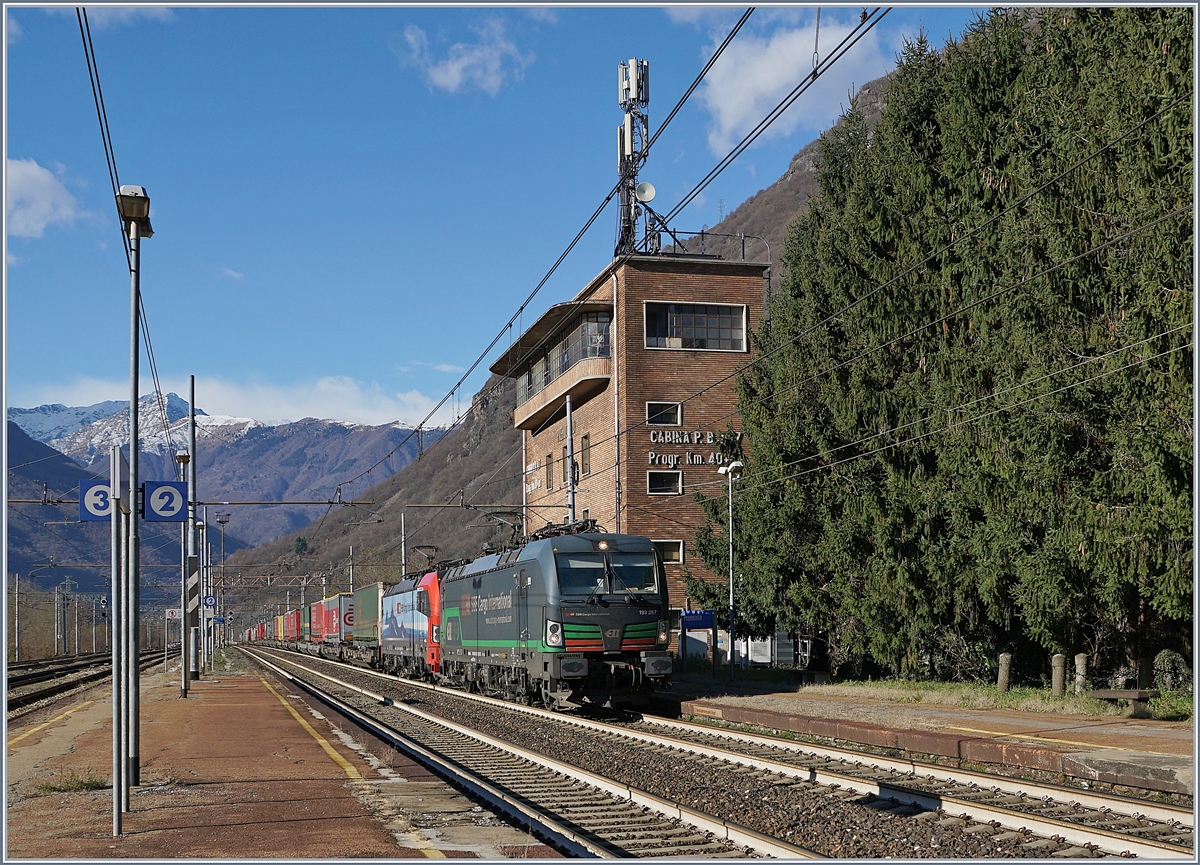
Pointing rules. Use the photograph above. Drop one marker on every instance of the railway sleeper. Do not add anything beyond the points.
(692, 840)
(712, 851)
(649, 832)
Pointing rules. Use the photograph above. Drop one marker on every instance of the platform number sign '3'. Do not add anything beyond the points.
(95, 500)
(166, 501)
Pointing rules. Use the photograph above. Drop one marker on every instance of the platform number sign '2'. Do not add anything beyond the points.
(166, 501)
(95, 500)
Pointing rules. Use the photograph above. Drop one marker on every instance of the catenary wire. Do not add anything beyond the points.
(571, 246)
(833, 316)
(836, 54)
(958, 408)
(958, 424)
(1055, 267)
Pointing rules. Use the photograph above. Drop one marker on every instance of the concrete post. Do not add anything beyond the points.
(1080, 672)
(194, 654)
(1005, 668)
(1058, 673)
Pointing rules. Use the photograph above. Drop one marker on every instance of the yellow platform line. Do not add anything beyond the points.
(33, 730)
(350, 771)
(419, 841)
(1059, 741)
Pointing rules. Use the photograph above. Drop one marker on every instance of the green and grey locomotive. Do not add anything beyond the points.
(565, 620)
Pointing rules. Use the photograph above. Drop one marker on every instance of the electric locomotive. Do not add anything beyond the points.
(409, 627)
(565, 619)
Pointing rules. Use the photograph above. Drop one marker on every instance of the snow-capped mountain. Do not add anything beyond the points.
(92, 440)
(242, 459)
(47, 422)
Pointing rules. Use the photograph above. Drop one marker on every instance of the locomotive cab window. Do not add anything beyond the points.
(612, 573)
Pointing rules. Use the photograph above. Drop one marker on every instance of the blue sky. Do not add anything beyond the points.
(348, 204)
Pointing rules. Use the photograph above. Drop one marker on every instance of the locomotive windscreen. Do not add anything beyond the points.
(584, 573)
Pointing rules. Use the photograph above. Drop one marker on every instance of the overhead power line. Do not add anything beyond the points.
(850, 40)
(954, 426)
(554, 267)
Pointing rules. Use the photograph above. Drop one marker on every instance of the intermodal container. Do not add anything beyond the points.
(316, 620)
(291, 625)
(367, 604)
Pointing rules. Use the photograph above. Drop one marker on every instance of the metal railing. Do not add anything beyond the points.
(588, 338)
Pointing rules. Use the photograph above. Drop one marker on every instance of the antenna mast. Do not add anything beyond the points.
(633, 136)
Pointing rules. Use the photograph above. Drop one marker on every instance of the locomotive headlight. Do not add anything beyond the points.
(664, 631)
(554, 633)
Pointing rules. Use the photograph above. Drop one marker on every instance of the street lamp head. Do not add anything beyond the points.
(734, 469)
(134, 205)
(183, 457)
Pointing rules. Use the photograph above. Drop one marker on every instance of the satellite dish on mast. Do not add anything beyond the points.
(644, 191)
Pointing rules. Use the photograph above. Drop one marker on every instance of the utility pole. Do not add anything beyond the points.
(17, 615)
(570, 464)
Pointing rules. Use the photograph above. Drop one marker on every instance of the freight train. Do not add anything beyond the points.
(564, 619)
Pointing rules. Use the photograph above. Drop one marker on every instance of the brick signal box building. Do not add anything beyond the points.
(631, 351)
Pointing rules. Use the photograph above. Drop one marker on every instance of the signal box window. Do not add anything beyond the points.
(549, 471)
(585, 455)
(671, 552)
(664, 483)
(663, 414)
(705, 326)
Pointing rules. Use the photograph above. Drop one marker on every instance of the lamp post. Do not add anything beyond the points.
(183, 457)
(134, 206)
(731, 471)
(222, 519)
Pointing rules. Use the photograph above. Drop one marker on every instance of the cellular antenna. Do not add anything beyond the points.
(633, 136)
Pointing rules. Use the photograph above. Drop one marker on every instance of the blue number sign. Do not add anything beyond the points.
(694, 620)
(166, 501)
(95, 500)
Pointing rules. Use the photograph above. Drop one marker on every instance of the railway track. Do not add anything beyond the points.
(1001, 816)
(31, 672)
(64, 680)
(580, 812)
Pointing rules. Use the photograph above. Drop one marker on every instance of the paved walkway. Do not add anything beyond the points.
(1124, 752)
(243, 768)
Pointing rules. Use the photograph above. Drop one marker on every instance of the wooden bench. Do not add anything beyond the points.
(1139, 699)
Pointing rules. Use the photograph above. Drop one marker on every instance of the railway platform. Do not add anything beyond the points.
(1106, 752)
(243, 768)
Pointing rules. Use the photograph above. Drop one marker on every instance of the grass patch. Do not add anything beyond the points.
(74, 783)
(229, 661)
(967, 695)
(1173, 706)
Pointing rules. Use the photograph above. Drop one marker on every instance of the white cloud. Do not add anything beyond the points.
(35, 198)
(757, 71)
(232, 274)
(14, 29)
(101, 17)
(13, 260)
(439, 367)
(484, 65)
(334, 397)
(698, 15)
